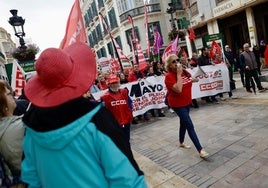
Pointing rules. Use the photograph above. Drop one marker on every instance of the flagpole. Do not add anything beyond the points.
(117, 55)
(134, 36)
(111, 37)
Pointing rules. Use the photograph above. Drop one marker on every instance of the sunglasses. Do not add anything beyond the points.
(175, 61)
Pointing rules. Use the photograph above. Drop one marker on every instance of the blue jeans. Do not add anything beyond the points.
(187, 124)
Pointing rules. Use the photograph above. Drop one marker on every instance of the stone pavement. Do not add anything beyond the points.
(234, 132)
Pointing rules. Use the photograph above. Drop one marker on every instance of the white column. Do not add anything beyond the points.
(251, 26)
(188, 44)
(213, 27)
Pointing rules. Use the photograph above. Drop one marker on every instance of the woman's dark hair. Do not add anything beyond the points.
(3, 99)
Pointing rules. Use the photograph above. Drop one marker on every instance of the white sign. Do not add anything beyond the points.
(226, 7)
(150, 93)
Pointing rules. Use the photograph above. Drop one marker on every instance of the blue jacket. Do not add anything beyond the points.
(78, 155)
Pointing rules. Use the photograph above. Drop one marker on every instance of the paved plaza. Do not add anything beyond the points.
(234, 132)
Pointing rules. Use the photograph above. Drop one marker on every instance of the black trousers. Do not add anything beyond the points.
(252, 73)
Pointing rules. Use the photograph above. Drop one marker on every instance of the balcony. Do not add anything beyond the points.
(140, 11)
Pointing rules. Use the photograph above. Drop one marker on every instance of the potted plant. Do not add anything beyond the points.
(25, 54)
(173, 34)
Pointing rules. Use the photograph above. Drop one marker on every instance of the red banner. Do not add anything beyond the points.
(75, 29)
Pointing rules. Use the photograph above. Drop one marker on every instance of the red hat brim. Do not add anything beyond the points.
(81, 78)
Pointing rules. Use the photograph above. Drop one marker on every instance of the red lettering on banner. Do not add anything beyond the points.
(211, 86)
(19, 82)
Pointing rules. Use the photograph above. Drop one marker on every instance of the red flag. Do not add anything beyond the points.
(75, 29)
(141, 59)
(191, 33)
(266, 55)
(172, 48)
(167, 51)
(146, 30)
(215, 49)
(114, 66)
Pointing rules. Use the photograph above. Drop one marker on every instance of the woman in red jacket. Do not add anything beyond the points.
(179, 87)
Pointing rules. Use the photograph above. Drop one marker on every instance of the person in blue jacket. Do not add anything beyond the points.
(71, 141)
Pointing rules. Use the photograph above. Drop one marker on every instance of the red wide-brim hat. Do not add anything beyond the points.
(62, 75)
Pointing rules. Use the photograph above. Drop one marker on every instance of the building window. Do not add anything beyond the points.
(90, 39)
(90, 16)
(118, 40)
(151, 28)
(112, 18)
(100, 4)
(110, 49)
(94, 35)
(194, 9)
(219, 1)
(103, 52)
(94, 9)
(177, 4)
(129, 34)
(99, 33)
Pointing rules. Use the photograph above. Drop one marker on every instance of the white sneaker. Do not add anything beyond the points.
(183, 145)
(171, 110)
(203, 154)
(233, 97)
(222, 98)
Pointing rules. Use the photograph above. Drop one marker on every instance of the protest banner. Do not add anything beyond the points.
(150, 93)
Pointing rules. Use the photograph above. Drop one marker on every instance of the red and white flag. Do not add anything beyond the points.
(114, 66)
(17, 79)
(215, 50)
(146, 30)
(172, 48)
(75, 29)
(141, 59)
(123, 58)
(167, 51)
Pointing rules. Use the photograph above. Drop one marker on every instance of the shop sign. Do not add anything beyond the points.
(245, 2)
(226, 7)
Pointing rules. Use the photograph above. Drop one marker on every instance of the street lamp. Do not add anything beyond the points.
(170, 11)
(17, 22)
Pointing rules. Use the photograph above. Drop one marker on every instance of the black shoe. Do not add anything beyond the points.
(262, 89)
(209, 101)
(249, 90)
(161, 115)
(134, 122)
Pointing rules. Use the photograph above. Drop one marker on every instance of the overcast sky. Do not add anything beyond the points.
(45, 20)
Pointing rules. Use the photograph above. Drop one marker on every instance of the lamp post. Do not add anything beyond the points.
(17, 22)
(170, 11)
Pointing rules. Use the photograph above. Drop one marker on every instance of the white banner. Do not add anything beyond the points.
(150, 93)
